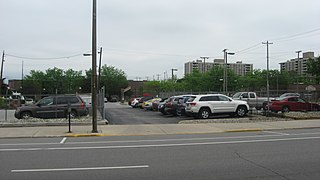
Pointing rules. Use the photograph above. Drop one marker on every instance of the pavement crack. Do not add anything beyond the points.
(261, 166)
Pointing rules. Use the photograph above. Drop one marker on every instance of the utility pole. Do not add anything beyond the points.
(1, 72)
(268, 92)
(22, 78)
(297, 86)
(204, 63)
(94, 68)
(172, 73)
(99, 76)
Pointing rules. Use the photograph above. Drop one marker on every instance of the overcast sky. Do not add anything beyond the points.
(149, 37)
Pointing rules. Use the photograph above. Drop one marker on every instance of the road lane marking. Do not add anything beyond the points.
(161, 145)
(79, 169)
(63, 140)
(273, 132)
(166, 140)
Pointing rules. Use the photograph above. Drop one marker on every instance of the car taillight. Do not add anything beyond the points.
(82, 105)
(193, 104)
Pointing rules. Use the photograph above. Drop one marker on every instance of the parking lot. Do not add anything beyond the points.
(119, 114)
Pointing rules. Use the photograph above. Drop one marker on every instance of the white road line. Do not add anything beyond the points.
(161, 145)
(79, 169)
(272, 132)
(168, 140)
(63, 140)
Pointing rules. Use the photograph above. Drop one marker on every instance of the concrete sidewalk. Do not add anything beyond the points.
(157, 129)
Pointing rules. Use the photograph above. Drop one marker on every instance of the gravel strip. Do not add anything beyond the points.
(291, 116)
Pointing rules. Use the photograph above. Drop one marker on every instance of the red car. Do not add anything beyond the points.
(292, 103)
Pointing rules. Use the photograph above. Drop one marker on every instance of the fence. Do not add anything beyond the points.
(313, 96)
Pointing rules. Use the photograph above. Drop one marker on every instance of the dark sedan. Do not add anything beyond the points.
(292, 103)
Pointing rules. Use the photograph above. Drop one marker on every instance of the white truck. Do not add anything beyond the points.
(253, 100)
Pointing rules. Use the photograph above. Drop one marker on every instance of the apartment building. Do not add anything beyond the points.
(298, 65)
(239, 68)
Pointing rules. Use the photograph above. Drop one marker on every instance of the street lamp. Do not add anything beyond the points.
(298, 52)
(225, 75)
(204, 62)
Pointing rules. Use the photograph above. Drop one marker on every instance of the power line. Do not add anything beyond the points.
(247, 49)
(295, 35)
(45, 58)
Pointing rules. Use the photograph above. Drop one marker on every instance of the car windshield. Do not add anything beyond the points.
(237, 95)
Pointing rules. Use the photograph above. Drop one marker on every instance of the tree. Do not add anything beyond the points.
(53, 81)
(113, 79)
(33, 83)
(313, 68)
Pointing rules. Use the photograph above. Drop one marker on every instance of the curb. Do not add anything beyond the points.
(244, 130)
(85, 135)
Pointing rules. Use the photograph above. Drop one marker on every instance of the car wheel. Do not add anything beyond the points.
(241, 111)
(204, 113)
(26, 115)
(178, 112)
(285, 109)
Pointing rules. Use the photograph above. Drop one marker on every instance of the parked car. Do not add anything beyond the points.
(53, 107)
(147, 105)
(176, 105)
(202, 106)
(28, 101)
(142, 100)
(134, 102)
(292, 103)
(182, 104)
(113, 99)
(161, 105)
(156, 103)
(289, 94)
(170, 107)
(253, 100)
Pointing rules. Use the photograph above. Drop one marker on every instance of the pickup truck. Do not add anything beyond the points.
(252, 99)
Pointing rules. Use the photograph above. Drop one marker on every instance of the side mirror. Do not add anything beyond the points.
(240, 97)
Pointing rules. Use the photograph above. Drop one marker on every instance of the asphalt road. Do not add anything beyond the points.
(118, 114)
(252, 155)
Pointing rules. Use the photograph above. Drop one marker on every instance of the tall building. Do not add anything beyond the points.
(298, 65)
(239, 68)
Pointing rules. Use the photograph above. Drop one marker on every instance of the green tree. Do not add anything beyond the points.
(73, 80)
(52, 81)
(33, 83)
(113, 79)
(313, 68)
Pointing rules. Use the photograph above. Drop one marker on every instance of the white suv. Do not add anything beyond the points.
(203, 106)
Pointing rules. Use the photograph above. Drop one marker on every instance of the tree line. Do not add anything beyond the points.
(212, 80)
(59, 81)
(69, 81)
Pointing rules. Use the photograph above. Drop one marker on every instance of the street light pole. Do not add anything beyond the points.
(99, 76)
(298, 52)
(1, 80)
(94, 68)
(204, 63)
(225, 74)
